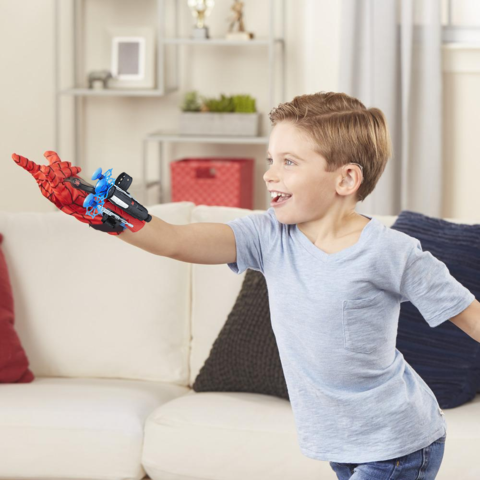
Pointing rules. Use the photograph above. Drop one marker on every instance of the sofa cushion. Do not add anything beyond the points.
(85, 428)
(90, 305)
(13, 359)
(214, 291)
(244, 357)
(226, 435)
(238, 436)
(445, 357)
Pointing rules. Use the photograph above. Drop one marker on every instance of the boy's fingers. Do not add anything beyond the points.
(52, 176)
(47, 172)
(25, 163)
(52, 157)
(57, 172)
(65, 167)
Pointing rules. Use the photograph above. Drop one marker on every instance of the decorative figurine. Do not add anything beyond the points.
(200, 9)
(240, 34)
(98, 79)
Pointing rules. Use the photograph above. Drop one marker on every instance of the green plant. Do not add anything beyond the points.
(235, 103)
(224, 104)
(191, 102)
(244, 104)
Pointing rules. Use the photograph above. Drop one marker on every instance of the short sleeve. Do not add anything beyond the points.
(428, 284)
(253, 233)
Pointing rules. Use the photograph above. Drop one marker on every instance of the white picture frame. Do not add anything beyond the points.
(131, 59)
(128, 58)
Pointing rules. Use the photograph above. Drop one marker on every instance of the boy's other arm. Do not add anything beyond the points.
(469, 320)
(203, 243)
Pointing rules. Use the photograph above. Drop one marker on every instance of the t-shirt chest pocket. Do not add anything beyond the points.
(364, 323)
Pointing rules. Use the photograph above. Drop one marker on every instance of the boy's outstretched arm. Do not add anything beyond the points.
(203, 243)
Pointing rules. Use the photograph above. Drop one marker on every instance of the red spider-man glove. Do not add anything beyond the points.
(50, 178)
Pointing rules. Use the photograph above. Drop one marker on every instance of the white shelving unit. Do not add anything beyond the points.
(162, 137)
(161, 43)
(79, 93)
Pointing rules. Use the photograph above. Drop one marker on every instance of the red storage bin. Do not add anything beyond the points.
(213, 181)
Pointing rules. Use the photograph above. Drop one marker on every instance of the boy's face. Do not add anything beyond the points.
(295, 168)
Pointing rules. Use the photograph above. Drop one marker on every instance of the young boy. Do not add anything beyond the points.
(335, 280)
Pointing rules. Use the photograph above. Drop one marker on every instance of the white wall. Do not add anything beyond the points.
(461, 117)
(27, 100)
(115, 126)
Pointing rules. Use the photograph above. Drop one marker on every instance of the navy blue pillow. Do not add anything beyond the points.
(445, 356)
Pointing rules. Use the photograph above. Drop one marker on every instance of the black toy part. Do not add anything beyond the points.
(80, 184)
(124, 180)
(124, 201)
(109, 224)
(119, 197)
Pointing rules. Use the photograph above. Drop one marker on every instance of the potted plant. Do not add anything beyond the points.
(234, 115)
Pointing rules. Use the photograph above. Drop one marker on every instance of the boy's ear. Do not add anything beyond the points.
(347, 182)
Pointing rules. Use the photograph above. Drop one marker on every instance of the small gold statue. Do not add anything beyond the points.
(240, 34)
(200, 10)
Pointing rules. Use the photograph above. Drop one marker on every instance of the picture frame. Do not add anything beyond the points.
(128, 58)
(131, 57)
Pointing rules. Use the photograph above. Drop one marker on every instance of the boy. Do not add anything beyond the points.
(335, 280)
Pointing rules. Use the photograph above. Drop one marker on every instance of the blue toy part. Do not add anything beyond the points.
(101, 186)
(94, 203)
(89, 200)
(97, 174)
(104, 181)
(93, 206)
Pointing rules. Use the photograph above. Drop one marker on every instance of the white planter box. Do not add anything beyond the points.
(210, 123)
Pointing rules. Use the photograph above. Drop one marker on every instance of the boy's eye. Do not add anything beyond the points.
(287, 160)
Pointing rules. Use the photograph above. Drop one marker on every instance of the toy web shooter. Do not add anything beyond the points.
(106, 189)
(59, 183)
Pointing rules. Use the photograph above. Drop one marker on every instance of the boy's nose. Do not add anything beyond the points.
(268, 175)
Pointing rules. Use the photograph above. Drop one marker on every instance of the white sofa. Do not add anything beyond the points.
(115, 337)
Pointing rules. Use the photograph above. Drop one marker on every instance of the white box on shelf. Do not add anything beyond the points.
(211, 123)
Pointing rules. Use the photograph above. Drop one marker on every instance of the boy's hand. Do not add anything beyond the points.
(50, 179)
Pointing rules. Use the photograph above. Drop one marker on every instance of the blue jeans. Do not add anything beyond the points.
(423, 464)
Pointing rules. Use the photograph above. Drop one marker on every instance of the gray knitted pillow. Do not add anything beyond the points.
(244, 357)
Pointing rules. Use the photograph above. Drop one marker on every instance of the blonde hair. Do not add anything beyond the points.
(343, 131)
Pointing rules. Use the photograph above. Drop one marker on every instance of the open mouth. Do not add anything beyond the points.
(280, 199)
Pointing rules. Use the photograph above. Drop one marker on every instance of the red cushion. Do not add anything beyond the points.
(13, 360)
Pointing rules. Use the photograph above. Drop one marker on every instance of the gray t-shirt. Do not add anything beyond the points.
(354, 397)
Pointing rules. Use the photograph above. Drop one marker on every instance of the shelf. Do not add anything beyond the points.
(461, 46)
(78, 91)
(89, 92)
(162, 136)
(221, 41)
